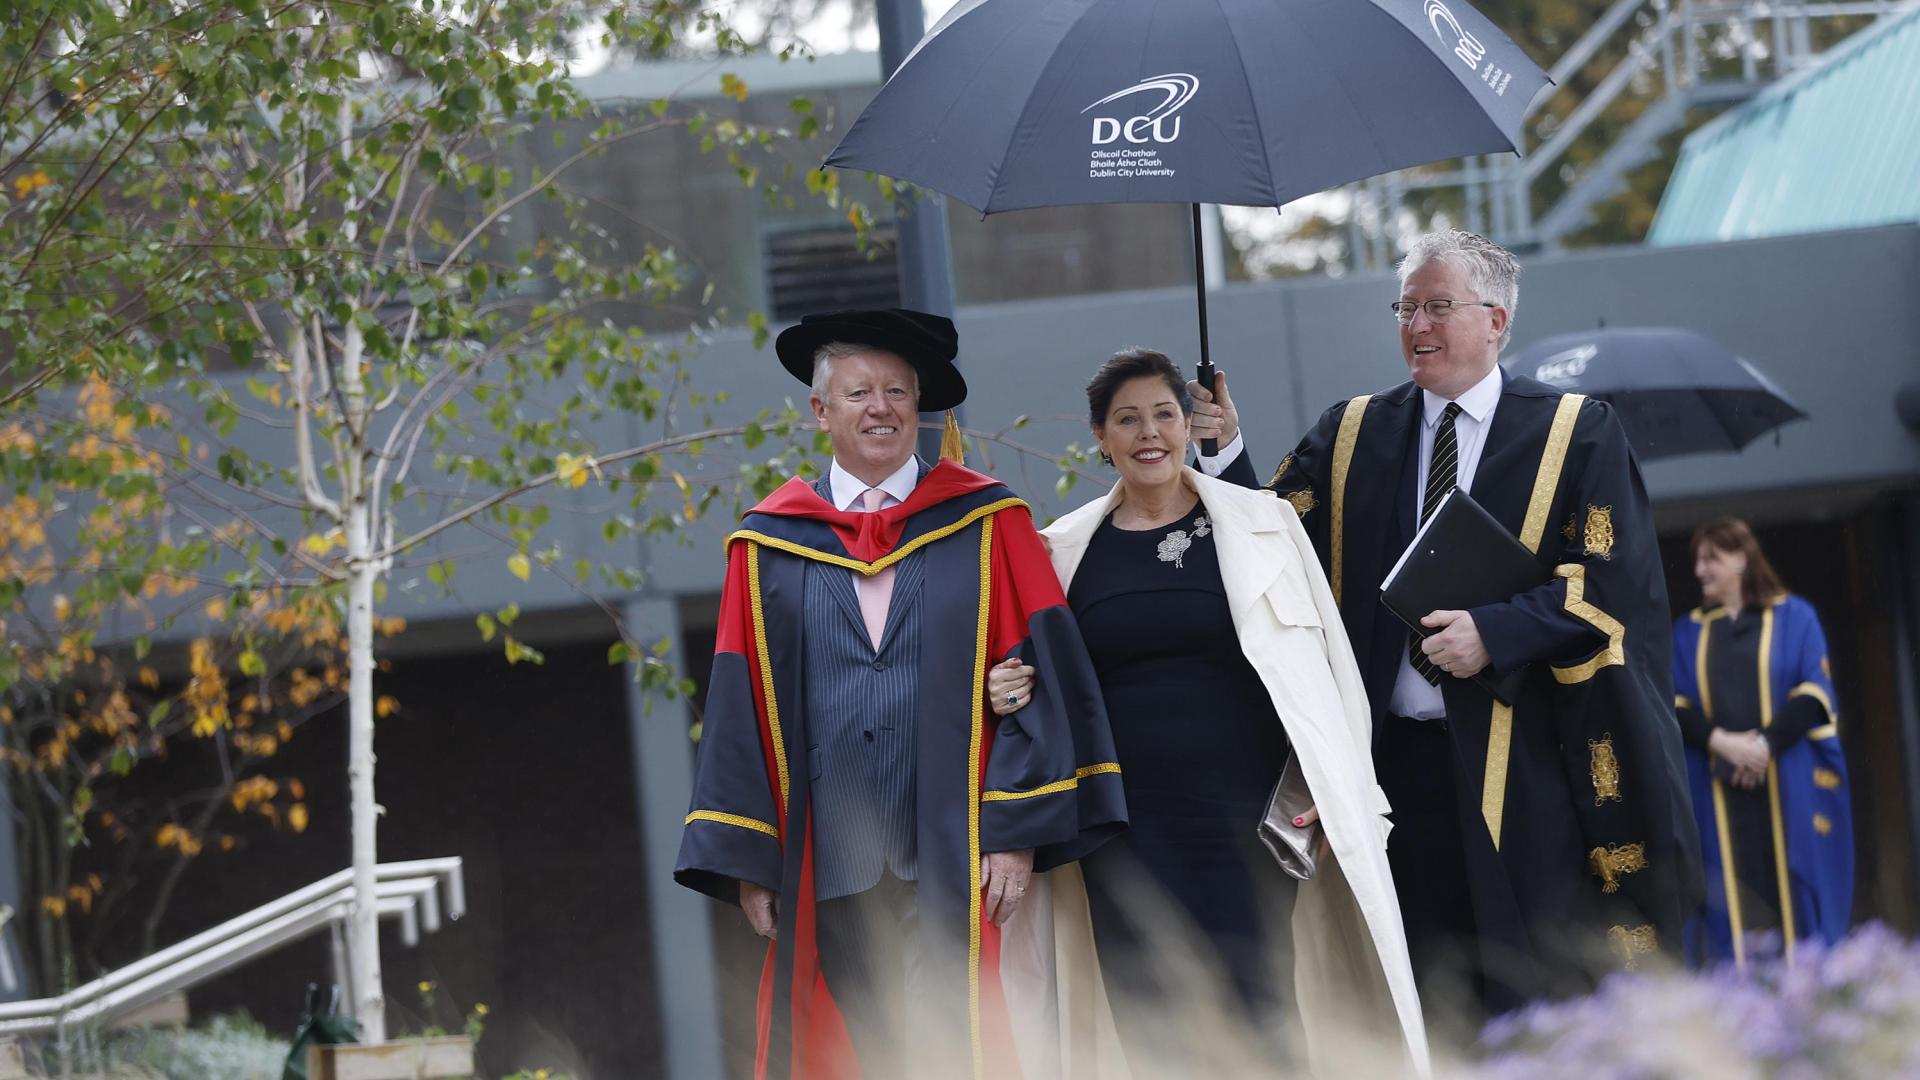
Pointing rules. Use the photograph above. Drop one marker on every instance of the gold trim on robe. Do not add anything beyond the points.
(1610, 864)
(1553, 458)
(1343, 444)
(1787, 930)
(1068, 784)
(735, 820)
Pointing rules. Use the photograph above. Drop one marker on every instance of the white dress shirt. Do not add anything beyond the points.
(847, 488)
(1412, 695)
(1215, 464)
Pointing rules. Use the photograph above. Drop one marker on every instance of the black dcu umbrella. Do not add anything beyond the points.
(1012, 104)
(1676, 392)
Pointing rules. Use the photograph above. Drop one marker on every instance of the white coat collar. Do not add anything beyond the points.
(1239, 515)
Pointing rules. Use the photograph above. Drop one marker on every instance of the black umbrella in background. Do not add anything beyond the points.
(1012, 104)
(1676, 392)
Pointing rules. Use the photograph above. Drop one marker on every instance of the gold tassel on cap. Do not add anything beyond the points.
(952, 447)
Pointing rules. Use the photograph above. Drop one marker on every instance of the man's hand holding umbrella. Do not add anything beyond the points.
(1217, 420)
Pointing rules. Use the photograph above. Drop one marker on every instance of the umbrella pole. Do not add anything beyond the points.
(1203, 373)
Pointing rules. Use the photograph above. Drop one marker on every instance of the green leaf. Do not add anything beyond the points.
(252, 664)
(486, 624)
(159, 713)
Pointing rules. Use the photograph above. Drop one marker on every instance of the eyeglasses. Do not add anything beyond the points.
(1438, 310)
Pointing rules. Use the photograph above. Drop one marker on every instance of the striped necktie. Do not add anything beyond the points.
(1443, 473)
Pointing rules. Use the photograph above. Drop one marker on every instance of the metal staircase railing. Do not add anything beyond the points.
(417, 893)
(1676, 57)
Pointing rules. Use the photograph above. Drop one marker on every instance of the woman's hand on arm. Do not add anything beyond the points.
(1009, 686)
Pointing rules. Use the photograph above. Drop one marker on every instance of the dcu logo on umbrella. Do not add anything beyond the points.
(1152, 125)
(1565, 368)
(1467, 47)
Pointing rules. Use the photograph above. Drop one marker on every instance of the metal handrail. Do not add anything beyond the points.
(1665, 38)
(410, 891)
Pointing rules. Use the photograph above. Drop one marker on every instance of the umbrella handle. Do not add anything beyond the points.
(1203, 372)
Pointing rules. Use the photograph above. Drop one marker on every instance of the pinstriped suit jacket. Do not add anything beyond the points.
(862, 737)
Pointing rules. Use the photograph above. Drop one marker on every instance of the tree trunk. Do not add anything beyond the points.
(363, 937)
(369, 1002)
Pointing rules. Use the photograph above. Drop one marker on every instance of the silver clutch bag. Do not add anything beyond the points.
(1292, 845)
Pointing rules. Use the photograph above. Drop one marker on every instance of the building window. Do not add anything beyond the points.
(815, 270)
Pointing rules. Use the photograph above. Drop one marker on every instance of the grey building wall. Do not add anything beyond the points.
(1828, 316)
(661, 188)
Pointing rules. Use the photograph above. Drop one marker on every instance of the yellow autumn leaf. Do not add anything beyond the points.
(297, 817)
(53, 906)
(30, 183)
(520, 566)
(319, 543)
(731, 86)
(385, 705)
(62, 607)
(572, 471)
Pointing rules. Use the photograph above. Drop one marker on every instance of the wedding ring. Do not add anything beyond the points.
(1013, 699)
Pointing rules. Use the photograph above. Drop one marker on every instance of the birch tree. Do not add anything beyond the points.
(343, 204)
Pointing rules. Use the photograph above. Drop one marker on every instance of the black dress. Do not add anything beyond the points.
(1200, 749)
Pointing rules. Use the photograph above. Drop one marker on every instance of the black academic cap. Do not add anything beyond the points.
(927, 342)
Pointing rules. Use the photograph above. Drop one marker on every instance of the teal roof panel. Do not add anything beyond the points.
(1835, 147)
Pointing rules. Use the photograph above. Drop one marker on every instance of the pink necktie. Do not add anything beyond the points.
(876, 591)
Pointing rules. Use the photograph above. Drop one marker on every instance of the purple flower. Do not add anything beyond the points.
(1849, 1009)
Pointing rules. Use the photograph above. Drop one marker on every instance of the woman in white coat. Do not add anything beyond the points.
(1220, 652)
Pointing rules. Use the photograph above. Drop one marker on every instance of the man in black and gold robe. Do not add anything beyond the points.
(1536, 843)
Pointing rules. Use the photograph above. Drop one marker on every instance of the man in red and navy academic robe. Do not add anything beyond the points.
(854, 794)
(1540, 840)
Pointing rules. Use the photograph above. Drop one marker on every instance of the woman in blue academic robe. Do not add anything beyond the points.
(1754, 695)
